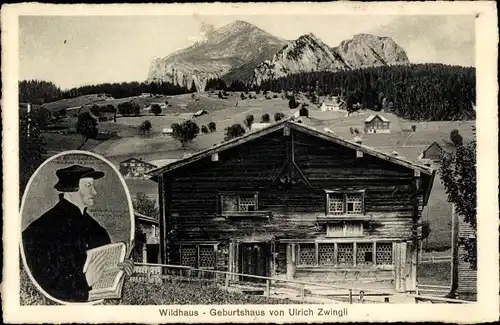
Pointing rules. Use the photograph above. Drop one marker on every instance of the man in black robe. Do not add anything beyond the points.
(55, 244)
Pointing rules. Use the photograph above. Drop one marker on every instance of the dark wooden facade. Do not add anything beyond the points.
(287, 178)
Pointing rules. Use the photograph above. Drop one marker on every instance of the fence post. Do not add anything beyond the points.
(302, 292)
(227, 282)
(350, 296)
(361, 296)
(268, 288)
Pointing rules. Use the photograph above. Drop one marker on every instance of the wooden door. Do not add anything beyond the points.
(254, 260)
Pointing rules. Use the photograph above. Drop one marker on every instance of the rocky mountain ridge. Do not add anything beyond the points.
(239, 45)
(243, 51)
(309, 53)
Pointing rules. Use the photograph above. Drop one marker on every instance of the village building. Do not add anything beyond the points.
(199, 113)
(435, 151)
(259, 126)
(336, 104)
(377, 124)
(147, 239)
(291, 202)
(135, 168)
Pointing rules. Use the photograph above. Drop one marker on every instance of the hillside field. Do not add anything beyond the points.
(224, 112)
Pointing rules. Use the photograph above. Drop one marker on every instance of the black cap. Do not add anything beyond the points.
(69, 177)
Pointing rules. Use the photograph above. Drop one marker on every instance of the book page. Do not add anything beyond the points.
(107, 279)
(113, 254)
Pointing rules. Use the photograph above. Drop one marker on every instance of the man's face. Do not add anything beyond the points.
(87, 191)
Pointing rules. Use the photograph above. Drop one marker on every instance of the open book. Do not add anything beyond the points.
(110, 283)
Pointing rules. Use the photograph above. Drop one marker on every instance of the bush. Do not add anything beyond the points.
(292, 103)
(278, 116)
(86, 125)
(249, 119)
(351, 130)
(265, 118)
(129, 108)
(304, 111)
(156, 109)
(185, 132)
(414, 128)
(204, 129)
(212, 127)
(234, 131)
(456, 137)
(145, 127)
(242, 96)
(275, 96)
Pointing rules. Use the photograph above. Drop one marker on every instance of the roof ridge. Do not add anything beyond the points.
(276, 126)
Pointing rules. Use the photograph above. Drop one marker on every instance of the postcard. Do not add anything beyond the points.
(250, 162)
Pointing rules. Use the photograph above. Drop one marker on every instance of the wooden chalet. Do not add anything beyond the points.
(146, 248)
(289, 201)
(377, 124)
(135, 168)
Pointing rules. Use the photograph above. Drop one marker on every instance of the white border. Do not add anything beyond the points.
(130, 209)
(487, 307)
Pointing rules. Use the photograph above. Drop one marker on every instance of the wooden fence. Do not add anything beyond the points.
(159, 273)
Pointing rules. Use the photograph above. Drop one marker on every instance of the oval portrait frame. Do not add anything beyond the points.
(25, 194)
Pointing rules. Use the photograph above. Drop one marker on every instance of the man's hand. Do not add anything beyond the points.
(127, 266)
(95, 269)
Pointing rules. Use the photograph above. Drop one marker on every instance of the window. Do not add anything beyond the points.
(384, 253)
(326, 254)
(307, 254)
(364, 254)
(335, 204)
(344, 255)
(339, 204)
(198, 256)
(238, 202)
(345, 252)
(354, 204)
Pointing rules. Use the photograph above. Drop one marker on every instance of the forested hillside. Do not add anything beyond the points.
(430, 92)
(39, 92)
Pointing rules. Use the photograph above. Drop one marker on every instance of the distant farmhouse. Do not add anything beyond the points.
(435, 151)
(335, 105)
(377, 124)
(135, 168)
(258, 126)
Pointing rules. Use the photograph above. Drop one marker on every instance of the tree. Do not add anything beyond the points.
(86, 125)
(204, 129)
(242, 96)
(351, 130)
(414, 128)
(456, 137)
(265, 118)
(156, 109)
(145, 127)
(31, 146)
(356, 131)
(458, 174)
(249, 119)
(292, 103)
(304, 111)
(185, 132)
(278, 116)
(234, 131)
(212, 127)
(145, 205)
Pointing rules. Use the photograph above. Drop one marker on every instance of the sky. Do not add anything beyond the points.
(77, 50)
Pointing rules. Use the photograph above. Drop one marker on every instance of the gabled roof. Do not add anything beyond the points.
(297, 126)
(371, 117)
(136, 159)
